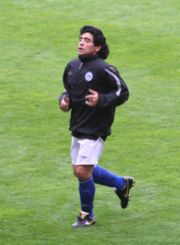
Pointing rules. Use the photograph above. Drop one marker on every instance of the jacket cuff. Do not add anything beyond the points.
(62, 95)
(102, 101)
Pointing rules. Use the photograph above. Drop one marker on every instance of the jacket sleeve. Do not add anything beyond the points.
(65, 93)
(119, 92)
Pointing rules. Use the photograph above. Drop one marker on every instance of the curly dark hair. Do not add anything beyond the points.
(99, 39)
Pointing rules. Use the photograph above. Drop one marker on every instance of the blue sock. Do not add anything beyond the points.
(87, 191)
(104, 177)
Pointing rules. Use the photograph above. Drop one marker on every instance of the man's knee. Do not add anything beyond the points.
(83, 172)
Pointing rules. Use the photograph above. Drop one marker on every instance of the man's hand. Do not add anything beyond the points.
(92, 98)
(64, 104)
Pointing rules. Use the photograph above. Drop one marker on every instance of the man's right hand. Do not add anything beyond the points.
(64, 103)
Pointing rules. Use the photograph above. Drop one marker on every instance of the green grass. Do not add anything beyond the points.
(38, 193)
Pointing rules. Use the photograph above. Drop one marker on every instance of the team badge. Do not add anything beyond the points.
(88, 76)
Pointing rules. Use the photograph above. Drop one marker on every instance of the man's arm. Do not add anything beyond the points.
(118, 95)
(64, 98)
(119, 92)
(64, 102)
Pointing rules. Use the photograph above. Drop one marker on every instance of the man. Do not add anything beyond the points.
(93, 89)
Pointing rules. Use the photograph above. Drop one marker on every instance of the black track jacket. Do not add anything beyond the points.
(80, 75)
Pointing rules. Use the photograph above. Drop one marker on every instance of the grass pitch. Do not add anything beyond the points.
(38, 194)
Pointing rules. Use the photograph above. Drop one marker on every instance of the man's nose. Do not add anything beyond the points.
(81, 42)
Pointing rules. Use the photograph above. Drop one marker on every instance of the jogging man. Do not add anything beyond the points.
(93, 89)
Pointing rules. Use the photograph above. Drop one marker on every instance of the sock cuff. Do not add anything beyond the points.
(86, 181)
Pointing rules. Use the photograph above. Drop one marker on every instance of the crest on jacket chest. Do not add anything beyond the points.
(88, 76)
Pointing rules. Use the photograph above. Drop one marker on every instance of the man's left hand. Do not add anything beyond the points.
(92, 98)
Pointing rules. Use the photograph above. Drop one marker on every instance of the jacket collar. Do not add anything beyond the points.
(88, 58)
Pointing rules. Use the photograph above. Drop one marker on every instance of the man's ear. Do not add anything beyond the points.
(98, 48)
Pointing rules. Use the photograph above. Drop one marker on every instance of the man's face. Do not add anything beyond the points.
(86, 45)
